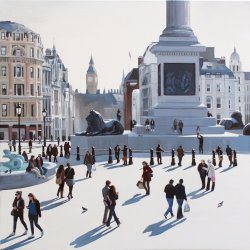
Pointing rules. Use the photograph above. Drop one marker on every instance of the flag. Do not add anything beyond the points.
(129, 55)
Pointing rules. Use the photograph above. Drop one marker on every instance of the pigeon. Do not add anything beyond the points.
(84, 209)
(220, 204)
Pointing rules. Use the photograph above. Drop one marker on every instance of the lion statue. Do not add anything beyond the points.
(97, 126)
(234, 122)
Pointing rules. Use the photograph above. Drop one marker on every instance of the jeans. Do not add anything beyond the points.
(34, 220)
(16, 216)
(208, 184)
(146, 186)
(179, 211)
(180, 160)
(112, 213)
(170, 206)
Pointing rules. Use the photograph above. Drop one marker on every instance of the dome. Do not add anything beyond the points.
(12, 26)
(235, 56)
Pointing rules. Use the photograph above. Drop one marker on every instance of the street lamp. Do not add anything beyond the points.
(18, 112)
(73, 119)
(44, 116)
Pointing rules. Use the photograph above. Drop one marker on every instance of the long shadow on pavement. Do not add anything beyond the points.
(134, 199)
(21, 243)
(45, 203)
(54, 205)
(227, 169)
(9, 238)
(188, 167)
(157, 228)
(83, 179)
(91, 236)
(169, 166)
(172, 169)
(197, 194)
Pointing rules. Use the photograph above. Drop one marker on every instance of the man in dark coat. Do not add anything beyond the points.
(201, 140)
(49, 152)
(117, 153)
(229, 155)
(30, 146)
(180, 195)
(220, 156)
(158, 153)
(169, 190)
(55, 152)
(180, 154)
(203, 173)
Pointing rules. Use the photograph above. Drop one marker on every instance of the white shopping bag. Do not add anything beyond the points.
(93, 167)
(186, 207)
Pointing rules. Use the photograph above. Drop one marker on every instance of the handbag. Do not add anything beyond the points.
(140, 185)
(93, 167)
(12, 212)
(186, 207)
(58, 180)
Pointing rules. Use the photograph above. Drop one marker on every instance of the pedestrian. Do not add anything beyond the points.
(147, 125)
(113, 196)
(131, 125)
(146, 176)
(25, 156)
(152, 125)
(30, 145)
(229, 153)
(180, 154)
(32, 167)
(180, 195)
(125, 155)
(60, 176)
(169, 190)
(175, 125)
(88, 161)
(117, 153)
(58, 141)
(39, 165)
(69, 179)
(66, 150)
(34, 213)
(209, 114)
(106, 201)
(39, 139)
(158, 153)
(210, 175)
(55, 152)
(14, 144)
(49, 151)
(202, 169)
(201, 140)
(220, 156)
(10, 145)
(118, 115)
(180, 125)
(18, 206)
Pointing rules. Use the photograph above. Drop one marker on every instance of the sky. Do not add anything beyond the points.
(111, 30)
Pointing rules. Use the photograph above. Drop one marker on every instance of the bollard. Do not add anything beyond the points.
(93, 154)
(43, 154)
(130, 161)
(193, 158)
(173, 160)
(235, 158)
(213, 160)
(78, 153)
(152, 157)
(110, 156)
(61, 151)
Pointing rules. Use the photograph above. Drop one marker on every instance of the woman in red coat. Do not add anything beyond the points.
(146, 176)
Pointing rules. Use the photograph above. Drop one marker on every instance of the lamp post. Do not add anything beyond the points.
(44, 116)
(73, 127)
(19, 112)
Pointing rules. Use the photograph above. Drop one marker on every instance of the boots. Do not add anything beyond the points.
(87, 174)
(90, 174)
(61, 194)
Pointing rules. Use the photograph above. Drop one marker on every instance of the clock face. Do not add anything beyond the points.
(90, 78)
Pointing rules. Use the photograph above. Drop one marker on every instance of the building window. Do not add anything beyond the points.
(38, 90)
(208, 86)
(31, 52)
(2, 35)
(238, 98)
(208, 75)
(4, 71)
(240, 108)
(19, 89)
(18, 37)
(218, 87)
(31, 72)
(218, 103)
(233, 68)
(3, 51)
(229, 89)
(218, 118)
(4, 89)
(159, 79)
(38, 73)
(239, 88)
(4, 109)
(229, 104)
(18, 71)
(209, 102)
(32, 38)
(32, 89)
(237, 68)
(238, 79)
(32, 110)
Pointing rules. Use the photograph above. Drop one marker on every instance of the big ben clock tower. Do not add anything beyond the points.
(91, 78)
